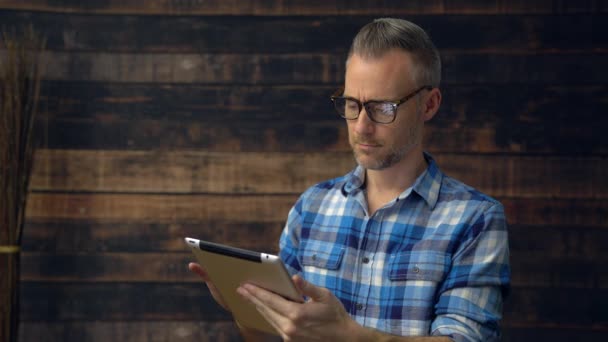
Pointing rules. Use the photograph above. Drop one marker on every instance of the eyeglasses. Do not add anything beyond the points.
(383, 112)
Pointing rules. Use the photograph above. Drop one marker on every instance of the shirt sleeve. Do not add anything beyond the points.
(470, 300)
(289, 240)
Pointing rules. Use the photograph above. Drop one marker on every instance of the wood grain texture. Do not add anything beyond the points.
(54, 302)
(132, 331)
(300, 118)
(329, 136)
(118, 302)
(153, 208)
(315, 68)
(207, 118)
(563, 305)
(110, 267)
(553, 332)
(303, 7)
(185, 171)
(291, 173)
(305, 34)
(71, 237)
(529, 269)
(462, 104)
(541, 256)
(505, 136)
(138, 331)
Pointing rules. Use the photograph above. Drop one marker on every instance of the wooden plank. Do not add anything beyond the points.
(193, 68)
(132, 331)
(200, 102)
(185, 172)
(130, 208)
(566, 306)
(480, 6)
(541, 256)
(529, 269)
(186, 331)
(506, 106)
(50, 302)
(254, 34)
(231, 136)
(555, 332)
(292, 173)
(118, 302)
(328, 135)
(303, 7)
(324, 136)
(459, 68)
(550, 177)
(65, 237)
(534, 270)
(558, 241)
(109, 267)
(69, 237)
(573, 212)
(504, 118)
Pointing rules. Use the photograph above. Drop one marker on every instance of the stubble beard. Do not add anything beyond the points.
(394, 155)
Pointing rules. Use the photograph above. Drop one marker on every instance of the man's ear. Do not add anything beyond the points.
(430, 104)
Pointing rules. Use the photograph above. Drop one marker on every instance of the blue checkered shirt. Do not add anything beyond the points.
(434, 261)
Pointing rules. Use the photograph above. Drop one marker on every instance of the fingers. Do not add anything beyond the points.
(265, 302)
(261, 297)
(307, 289)
(198, 269)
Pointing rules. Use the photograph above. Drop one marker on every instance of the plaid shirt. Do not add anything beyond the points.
(434, 261)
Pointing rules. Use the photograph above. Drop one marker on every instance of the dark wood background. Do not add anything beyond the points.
(167, 118)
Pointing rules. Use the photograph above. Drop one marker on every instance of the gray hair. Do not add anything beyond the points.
(384, 34)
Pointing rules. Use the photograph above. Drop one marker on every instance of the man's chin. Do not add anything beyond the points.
(367, 162)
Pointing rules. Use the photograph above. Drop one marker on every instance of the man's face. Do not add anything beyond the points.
(390, 77)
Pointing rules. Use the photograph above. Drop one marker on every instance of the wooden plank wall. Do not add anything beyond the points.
(167, 118)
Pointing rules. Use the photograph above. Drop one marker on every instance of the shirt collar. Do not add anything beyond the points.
(427, 185)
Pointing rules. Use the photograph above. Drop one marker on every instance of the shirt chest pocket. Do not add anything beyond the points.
(322, 255)
(418, 265)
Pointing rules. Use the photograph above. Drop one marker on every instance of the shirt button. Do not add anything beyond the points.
(314, 257)
(416, 269)
(365, 260)
(359, 306)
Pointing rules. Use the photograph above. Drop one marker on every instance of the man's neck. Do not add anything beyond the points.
(385, 185)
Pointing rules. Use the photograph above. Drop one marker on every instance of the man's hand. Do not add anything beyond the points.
(198, 269)
(321, 318)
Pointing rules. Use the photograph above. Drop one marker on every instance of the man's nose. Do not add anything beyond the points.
(363, 123)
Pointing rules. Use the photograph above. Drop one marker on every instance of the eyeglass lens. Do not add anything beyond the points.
(381, 112)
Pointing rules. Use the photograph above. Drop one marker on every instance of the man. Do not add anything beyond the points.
(395, 248)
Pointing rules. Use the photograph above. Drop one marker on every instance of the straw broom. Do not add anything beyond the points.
(19, 92)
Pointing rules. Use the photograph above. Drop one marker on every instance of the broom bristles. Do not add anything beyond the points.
(19, 93)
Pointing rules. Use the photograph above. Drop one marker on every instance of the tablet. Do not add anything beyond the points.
(229, 267)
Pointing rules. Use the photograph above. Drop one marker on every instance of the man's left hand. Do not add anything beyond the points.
(321, 318)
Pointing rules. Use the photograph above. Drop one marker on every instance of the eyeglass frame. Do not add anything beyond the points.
(394, 104)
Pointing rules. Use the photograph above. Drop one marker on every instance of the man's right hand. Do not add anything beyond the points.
(198, 269)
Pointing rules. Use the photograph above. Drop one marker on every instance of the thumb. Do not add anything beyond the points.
(309, 290)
